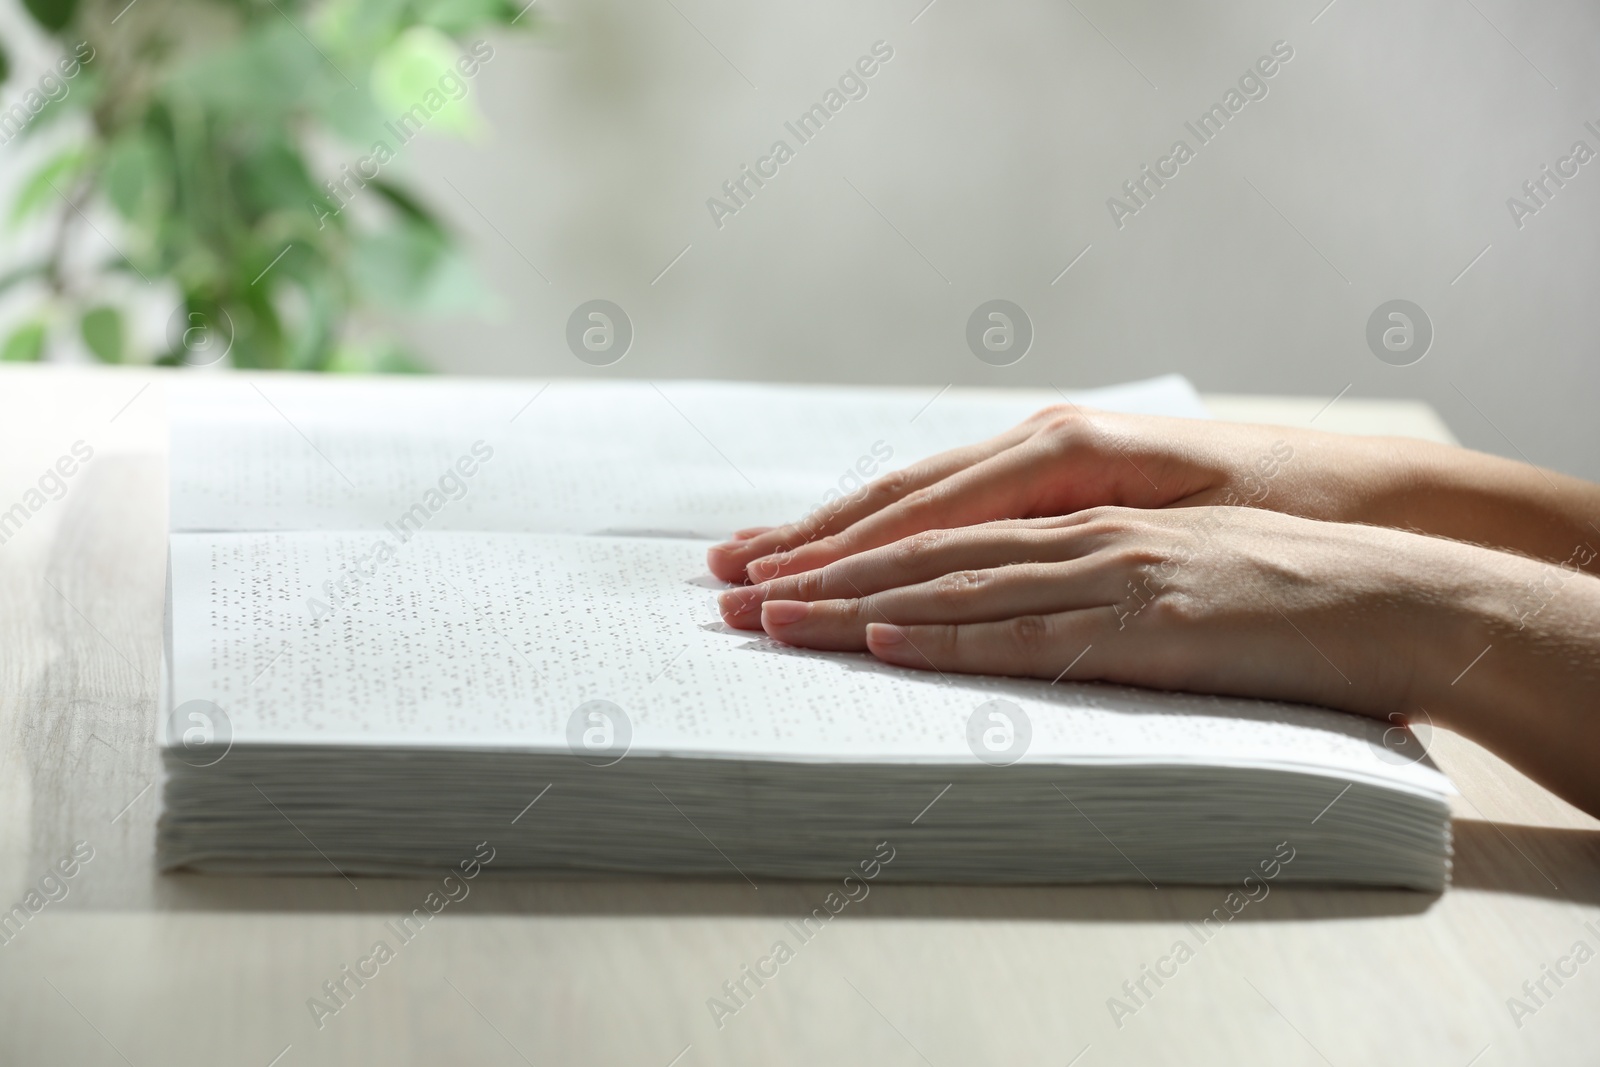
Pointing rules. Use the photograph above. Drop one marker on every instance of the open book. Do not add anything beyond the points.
(408, 616)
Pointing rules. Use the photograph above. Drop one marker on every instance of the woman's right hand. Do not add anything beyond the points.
(1065, 459)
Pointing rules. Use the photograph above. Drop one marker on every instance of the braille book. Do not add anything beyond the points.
(409, 616)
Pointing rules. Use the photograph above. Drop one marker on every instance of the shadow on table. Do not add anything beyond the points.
(508, 895)
(1534, 861)
(1557, 864)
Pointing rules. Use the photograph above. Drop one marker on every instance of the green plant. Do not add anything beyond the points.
(204, 125)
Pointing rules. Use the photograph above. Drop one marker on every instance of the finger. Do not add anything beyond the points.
(1006, 485)
(729, 559)
(1056, 646)
(918, 558)
(716, 555)
(963, 597)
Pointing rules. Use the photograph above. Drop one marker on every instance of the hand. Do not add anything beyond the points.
(1228, 600)
(1206, 599)
(1064, 459)
(1235, 601)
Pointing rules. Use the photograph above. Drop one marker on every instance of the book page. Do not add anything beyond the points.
(497, 640)
(691, 459)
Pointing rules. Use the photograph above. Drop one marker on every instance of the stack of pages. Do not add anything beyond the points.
(409, 616)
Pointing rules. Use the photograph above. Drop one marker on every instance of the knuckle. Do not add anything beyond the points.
(1029, 633)
(909, 552)
(1057, 417)
(918, 502)
(1141, 560)
(939, 642)
(1173, 608)
(959, 584)
(889, 488)
(1071, 428)
(1063, 423)
(829, 546)
(1109, 520)
(809, 586)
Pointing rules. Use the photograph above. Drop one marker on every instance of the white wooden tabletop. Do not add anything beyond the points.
(116, 964)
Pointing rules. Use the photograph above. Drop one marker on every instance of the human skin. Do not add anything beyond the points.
(1089, 546)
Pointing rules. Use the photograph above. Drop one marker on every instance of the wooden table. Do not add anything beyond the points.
(133, 967)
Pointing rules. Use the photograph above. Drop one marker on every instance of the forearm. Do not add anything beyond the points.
(1486, 500)
(1398, 482)
(1513, 661)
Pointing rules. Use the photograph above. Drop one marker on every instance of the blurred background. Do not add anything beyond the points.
(168, 201)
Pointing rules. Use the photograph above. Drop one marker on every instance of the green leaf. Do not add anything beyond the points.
(416, 80)
(258, 342)
(459, 17)
(409, 206)
(354, 118)
(362, 27)
(53, 15)
(309, 340)
(274, 178)
(260, 82)
(102, 332)
(5, 64)
(25, 345)
(135, 175)
(47, 184)
(393, 266)
(380, 357)
(415, 269)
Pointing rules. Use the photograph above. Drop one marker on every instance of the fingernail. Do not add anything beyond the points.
(883, 635)
(784, 612)
(749, 532)
(738, 602)
(763, 570)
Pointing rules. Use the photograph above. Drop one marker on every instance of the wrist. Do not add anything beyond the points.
(1334, 477)
(1486, 630)
(1467, 598)
(1401, 483)
(1516, 668)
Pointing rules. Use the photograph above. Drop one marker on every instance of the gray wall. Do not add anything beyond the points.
(979, 165)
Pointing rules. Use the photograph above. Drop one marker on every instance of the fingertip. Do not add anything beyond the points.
(721, 562)
(885, 635)
(739, 607)
(783, 613)
(893, 645)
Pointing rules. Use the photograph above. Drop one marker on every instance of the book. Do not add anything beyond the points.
(406, 617)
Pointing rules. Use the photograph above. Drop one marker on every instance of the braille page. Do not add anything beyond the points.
(675, 458)
(494, 640)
